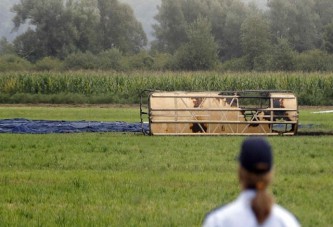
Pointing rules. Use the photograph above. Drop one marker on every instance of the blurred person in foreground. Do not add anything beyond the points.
(254, 206)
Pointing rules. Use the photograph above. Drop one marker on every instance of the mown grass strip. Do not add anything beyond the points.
(71, 112)
(309, 120)
(116, 179)
(135, 180)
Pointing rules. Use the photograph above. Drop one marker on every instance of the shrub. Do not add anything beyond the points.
(162, 61)
(12, 62)
(110, 59)
(314, 60)
(48, 64)
(141, 60)
(235, 64)
(81, 60)
(6, 47)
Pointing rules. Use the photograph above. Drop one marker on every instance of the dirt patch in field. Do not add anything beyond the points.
(315, 133)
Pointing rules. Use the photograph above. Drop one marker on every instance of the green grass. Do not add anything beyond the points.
(71, 113)
(317, 121)
(123, 179)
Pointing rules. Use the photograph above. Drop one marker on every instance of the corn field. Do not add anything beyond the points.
(115, 87)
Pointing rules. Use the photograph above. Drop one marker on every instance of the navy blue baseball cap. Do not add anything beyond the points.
(256, 155)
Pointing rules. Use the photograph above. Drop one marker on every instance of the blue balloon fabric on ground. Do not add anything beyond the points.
(21, 125)
(43, 126)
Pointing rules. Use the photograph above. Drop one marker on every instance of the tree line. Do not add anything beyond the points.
(189, 35)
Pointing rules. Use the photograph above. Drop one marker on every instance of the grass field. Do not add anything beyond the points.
(123, 179)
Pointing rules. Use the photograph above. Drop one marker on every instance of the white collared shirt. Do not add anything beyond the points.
(239, 213)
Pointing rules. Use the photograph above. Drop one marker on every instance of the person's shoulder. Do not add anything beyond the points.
(216, 211)
(222, 214)
(285, 215)
(217, 214)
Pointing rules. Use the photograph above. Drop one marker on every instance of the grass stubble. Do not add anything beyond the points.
(123, 179)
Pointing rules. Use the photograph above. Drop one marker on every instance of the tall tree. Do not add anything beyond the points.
(328, 37)
(256, 42)
(65, 26)
(200, 52)
(297, 21)
(170, 30)
(230, 37)
(119, 27)
(84, 17)
(324, 8)
(283, 56)
(225, 16)
(50, 33)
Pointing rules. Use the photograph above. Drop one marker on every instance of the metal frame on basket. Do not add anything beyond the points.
(210, 118)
